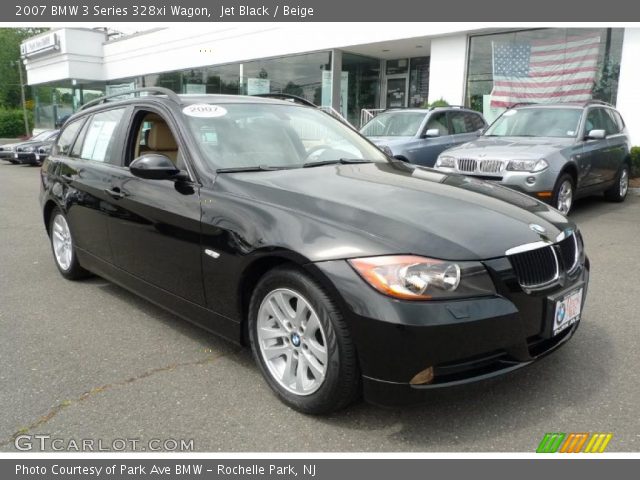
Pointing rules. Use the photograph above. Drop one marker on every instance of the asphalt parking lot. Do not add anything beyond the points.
(88, 360)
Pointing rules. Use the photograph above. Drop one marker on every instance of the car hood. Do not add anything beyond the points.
(37, 143)
(390, 141)
(404, 208)
(509, 148)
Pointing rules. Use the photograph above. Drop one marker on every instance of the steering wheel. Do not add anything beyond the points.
(315, 149)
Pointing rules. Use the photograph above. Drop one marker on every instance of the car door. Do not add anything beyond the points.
(465, 126)
(155, 232)
(86, 169)
(594, 158)
(618, 144)
(432, 146)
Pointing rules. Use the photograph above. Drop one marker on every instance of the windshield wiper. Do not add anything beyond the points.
(343, 161)
(253, 168)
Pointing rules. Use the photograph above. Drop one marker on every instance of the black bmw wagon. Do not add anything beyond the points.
(277, 226)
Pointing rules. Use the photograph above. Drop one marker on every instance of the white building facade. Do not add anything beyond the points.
(353, 68)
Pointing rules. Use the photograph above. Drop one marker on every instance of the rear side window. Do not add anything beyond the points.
(65, 140)
(610, 122)
(100, 134)
(618, 119)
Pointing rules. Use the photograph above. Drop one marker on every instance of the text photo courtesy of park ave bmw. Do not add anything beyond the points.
(276, 228)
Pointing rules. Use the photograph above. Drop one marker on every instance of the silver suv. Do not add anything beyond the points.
(554, 152)
(418, 135)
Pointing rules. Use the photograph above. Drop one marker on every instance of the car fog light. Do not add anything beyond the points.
(423, 377)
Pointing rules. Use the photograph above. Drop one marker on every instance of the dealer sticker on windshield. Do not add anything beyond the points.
(567, 311)
(204, 110)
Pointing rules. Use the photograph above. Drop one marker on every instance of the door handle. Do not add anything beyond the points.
(115, 192)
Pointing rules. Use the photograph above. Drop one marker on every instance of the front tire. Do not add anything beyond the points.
(564, 193)
(618, 192)
(62, 247)
(301, 343)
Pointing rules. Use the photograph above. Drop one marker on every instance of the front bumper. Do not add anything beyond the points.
(536, 184)
(30, 158)
(463, 340)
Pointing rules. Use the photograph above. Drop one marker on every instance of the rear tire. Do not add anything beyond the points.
(63, 248)
(564, 193)
(618, 192)
(301, 342)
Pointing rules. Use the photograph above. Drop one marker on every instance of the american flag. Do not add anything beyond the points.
(544, 71)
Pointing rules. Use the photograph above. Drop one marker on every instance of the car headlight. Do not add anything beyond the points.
(527, 165)
(386, 150)
(446, 161)
(411, 277)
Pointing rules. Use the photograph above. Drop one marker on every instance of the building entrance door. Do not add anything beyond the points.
(396, 91)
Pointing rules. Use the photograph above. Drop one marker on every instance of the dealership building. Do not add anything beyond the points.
(356, 69)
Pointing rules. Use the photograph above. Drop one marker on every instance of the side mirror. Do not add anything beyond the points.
(431, 133)
(596, 135)
(154, 167)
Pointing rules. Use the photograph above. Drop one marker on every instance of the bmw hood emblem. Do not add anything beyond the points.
(537, 228)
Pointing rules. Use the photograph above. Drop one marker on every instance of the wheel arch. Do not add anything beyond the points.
(260, 266)
(571, 169)
(48, 209)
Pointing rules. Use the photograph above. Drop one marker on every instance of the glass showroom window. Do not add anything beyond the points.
(504, 66)
(360, 85)
(301, 75)
(53, 105)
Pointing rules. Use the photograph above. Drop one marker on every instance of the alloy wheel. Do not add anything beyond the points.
(62, 243)
(565, 197)
(624, 182)
(292, 341)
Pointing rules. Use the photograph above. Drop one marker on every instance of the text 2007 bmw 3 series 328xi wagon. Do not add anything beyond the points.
(277, 226)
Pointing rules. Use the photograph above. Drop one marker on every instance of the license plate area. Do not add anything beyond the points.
(565, 310)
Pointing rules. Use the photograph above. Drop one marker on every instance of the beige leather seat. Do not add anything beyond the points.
(161, 141)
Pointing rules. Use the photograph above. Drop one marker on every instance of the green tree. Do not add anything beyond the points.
(10, 40)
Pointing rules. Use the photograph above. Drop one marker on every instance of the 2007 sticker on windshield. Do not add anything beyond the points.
(204, 110)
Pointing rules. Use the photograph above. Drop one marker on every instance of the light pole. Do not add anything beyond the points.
(23, 99)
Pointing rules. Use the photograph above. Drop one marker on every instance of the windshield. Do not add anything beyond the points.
(273, 135)
(394, 124)
(42, 136)
(537, 122)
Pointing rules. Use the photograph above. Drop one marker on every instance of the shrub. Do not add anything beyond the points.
(441, 102)
(12, 123)
(635, 161)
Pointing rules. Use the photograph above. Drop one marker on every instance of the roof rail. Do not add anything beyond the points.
(451, 106)
(593, 101)
(286, 96)
(522, 104)
(154, 90)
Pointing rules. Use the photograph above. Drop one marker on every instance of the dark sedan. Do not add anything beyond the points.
(276, 226)
(32, 151)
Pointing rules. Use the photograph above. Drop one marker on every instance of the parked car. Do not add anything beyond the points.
(554, 152)
(7, 152)
(277, 226)
(419, 135)
(43, 152)
(28, 152)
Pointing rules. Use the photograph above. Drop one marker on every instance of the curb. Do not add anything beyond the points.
(634, 191)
